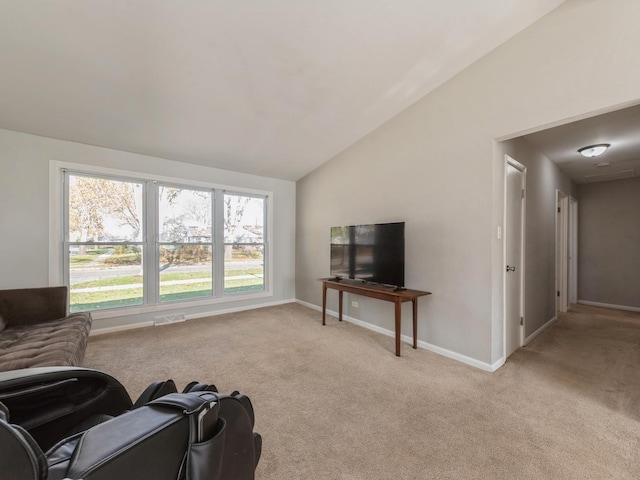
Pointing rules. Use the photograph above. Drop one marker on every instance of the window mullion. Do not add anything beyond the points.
(218, 243)
(65, 228)
(266, 248)
(150, 213)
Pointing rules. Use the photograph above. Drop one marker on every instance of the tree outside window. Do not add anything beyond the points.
(104, 241)
(244, 243)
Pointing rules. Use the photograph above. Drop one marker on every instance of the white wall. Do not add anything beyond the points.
(437, 167)
(24, 212)
(609, 241)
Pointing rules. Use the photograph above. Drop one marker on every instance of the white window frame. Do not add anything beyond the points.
(157, 243)
(265, 213)
(57, 232)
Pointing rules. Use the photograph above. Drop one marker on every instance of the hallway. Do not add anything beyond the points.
(593, 351)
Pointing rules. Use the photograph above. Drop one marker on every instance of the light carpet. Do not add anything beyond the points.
(334, 402)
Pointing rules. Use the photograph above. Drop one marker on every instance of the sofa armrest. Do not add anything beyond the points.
(26, 306)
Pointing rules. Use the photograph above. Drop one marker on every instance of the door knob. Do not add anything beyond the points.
(511, 269)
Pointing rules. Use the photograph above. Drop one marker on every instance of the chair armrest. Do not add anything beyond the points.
(26, 306)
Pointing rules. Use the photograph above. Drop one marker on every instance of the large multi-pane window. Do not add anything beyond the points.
(132, 242)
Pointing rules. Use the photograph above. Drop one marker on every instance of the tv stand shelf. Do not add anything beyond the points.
(381, 292)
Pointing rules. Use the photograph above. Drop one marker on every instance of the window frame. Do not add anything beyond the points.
(67, 243)
(159, 243)
(58, 257)
(265, 235)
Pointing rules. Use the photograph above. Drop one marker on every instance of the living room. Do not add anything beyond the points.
(437, 165)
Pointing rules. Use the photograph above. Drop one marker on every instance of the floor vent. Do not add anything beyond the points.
(167, 319)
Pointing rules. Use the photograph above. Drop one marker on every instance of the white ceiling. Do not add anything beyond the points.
(620, 129)
(273, 88)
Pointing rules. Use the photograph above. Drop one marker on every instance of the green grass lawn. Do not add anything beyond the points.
(133, 296)
(164, 277)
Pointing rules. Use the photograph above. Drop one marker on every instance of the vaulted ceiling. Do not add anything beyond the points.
(273, 88)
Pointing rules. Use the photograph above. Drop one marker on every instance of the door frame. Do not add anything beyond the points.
(566, 251)
(573, 250)
(562, 245)
(508, 160)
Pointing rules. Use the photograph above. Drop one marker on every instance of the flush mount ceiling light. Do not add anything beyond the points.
(594, 150)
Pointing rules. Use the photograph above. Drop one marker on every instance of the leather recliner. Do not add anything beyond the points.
(93, 431)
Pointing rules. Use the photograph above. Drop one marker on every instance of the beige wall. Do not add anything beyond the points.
(609, 243)
(438, 167)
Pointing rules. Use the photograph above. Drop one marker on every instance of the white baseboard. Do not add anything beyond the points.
(539, 331)
(309, 305)
(238, 309)
(122, 328)
(495, 366)
(407, 339)
(608, 305)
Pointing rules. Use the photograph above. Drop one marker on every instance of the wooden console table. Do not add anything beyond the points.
(375, 291)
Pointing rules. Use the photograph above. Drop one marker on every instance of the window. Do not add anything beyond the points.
(135, 242)
(244, 246)
(185, 243)
(104, 242)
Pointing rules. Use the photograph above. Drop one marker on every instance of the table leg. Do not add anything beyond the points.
(324, 303)
(415, 322)
(340, 305)
(398, 325)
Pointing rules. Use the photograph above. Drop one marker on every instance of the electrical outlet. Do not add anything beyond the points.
(354, 304)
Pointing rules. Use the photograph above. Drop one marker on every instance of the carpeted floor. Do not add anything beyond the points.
(334, 402)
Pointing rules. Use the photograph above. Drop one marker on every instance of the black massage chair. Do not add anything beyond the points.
(73, 423)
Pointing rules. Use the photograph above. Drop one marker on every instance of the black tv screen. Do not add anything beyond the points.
(372, 253)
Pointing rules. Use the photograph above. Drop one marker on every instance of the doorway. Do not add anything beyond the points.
(515, 183)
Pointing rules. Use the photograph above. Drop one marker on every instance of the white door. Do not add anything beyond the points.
(513, 257)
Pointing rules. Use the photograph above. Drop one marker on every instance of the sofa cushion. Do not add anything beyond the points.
(57, 342)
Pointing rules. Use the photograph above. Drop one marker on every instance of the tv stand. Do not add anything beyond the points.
(390, 294)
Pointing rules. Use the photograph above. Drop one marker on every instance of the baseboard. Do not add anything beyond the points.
(120, 328)
(309, 305)
(608, 305)
(408, 339)
(238, 309)
(498, 364)
(131, 326)
(528, 339)
(457, 356)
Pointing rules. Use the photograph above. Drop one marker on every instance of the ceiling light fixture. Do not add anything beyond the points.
(594, 150)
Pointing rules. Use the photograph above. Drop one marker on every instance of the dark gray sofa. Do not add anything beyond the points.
(37, 331)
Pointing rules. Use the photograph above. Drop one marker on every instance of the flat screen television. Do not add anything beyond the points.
(371, 253)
